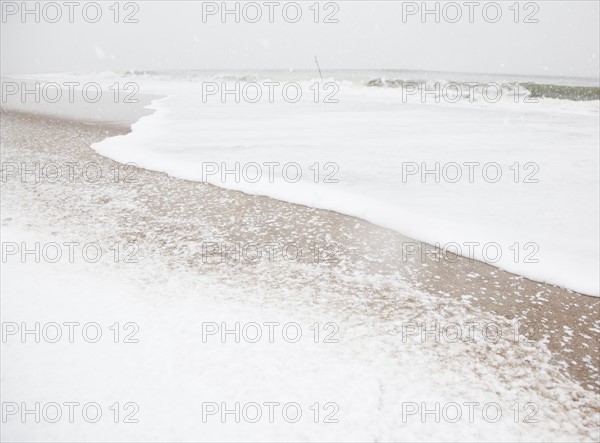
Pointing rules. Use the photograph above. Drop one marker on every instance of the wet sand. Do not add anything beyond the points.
(169, 218)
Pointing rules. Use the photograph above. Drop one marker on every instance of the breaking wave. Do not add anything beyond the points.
(533, 90)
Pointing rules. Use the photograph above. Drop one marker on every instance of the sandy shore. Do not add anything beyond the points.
(168, 218)
(349, 244)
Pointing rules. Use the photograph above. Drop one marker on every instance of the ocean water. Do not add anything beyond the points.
(510, 179)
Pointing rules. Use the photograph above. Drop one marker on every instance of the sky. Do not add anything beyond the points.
(554, 38)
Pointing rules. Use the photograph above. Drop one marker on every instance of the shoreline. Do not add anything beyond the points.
(581, 279)
(123, 127)
(563, 318)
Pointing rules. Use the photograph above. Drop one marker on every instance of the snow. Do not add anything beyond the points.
(372, 373)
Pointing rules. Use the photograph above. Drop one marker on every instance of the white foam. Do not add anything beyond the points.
(369, 134)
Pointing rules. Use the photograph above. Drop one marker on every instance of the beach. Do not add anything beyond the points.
(361, 278)
(329, 221)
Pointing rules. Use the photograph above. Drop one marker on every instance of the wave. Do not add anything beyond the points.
(575, 93)
(393, 83)
(372, 142)
(192, 75)
(533, 90)
(525, 87)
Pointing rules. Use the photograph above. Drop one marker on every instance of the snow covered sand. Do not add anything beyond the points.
(369, 293)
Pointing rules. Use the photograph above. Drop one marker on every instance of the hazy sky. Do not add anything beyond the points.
(369, 35)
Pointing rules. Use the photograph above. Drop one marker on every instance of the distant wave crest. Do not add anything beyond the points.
(576, 93)
(534, 90)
